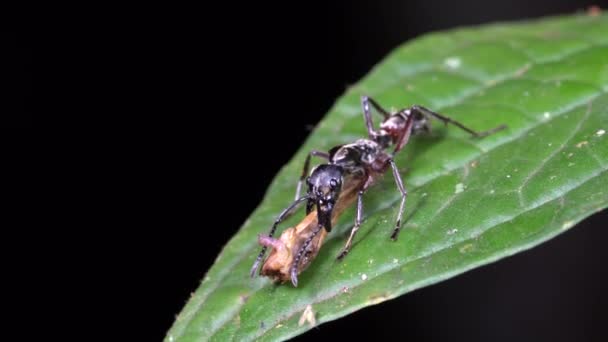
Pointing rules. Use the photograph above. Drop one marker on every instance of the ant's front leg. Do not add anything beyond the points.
(284, 214)
(421, 111)
(306, 166)
(294, 267)
(403, 197)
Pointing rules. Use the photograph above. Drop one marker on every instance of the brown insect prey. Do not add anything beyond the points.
(284, 249)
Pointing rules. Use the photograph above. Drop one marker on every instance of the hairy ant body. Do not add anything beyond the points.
(360, 162)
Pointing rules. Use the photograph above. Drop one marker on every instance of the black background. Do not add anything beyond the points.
(16, 80)
(240, 88)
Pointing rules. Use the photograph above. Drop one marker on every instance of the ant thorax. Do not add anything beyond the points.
(357, 156)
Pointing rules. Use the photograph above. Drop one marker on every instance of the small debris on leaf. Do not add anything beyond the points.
(308, 316)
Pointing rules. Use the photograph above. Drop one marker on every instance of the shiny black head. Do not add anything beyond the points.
(324, 185)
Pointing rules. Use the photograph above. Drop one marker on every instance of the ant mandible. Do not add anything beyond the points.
(363, 161)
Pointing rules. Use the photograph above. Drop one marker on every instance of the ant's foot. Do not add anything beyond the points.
(294, 277)
(342, 254)
(396, 231)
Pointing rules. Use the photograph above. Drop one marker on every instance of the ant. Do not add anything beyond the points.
(284, 248)
(362, 162)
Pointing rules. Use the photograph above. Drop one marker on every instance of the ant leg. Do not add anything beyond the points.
(378, 107)
(365, 102)
(279, 219)
(403, 197)
(428, 113)
(405, 135)
(353, 231)
(306, 166)
(296, 262)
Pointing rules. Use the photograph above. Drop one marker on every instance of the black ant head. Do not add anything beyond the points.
(324, 186)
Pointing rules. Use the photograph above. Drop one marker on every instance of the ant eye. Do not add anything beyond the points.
(333, 183)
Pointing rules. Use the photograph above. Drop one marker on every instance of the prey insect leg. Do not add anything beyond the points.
(279, 219)
(306, 166)
(446, 120)
(403, 197)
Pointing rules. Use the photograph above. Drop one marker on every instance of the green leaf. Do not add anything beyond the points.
(471, 201)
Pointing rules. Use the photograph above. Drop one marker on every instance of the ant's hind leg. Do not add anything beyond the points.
(446, 120)
(306, 166)
(403, 197)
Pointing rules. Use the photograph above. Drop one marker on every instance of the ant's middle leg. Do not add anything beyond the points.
(358, 218)
(419, 110)
(353, 231)
(403, 197)
(365, 102)
(306, 166)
